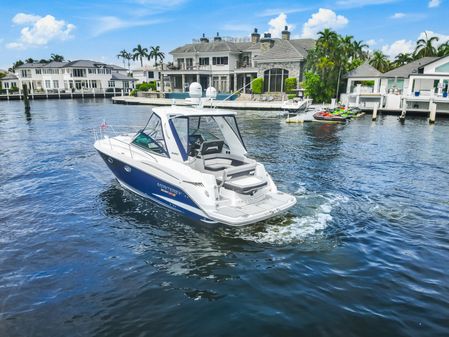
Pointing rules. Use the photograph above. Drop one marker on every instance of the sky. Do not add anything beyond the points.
(98, 30)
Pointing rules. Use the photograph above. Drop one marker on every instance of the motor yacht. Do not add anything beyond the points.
(193, 160)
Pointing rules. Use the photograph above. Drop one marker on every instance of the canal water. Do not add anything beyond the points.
(365, 252)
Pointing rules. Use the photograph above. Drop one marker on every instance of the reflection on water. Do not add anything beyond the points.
(363, 250)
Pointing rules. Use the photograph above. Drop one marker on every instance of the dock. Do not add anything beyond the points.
(235, 105)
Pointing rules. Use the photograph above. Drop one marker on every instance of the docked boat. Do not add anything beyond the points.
(193, 160)
(296, 105)
(325, 116)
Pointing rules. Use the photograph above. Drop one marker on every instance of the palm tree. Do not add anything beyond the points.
(57, 58)
(29, 60)
(327, 39)
(402, 58)
(424, 47)
(128, 57)
(380, 61)
(123, 55)
(140, 53)
(156, 54)
(443, 50)
(358, 49)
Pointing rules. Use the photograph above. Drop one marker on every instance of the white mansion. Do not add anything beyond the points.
(79, 75)
(230, 64)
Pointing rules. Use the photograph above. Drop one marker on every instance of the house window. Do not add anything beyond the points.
(25, 73)
(220, 60)
(274, 79)
(47, 84)
(92, 71)
(111, 84)
(56, 84)
(79, 72)
(151, 74)
(13, 84)
(94, 84)
(38, 71)
(189, 63)
(6, 85)
(204, 61)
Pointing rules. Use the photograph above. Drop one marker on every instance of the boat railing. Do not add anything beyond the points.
(101, 133)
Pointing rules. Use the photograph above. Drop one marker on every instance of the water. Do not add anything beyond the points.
(364, 252)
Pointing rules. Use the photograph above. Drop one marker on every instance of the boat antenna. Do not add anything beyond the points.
(236, 92)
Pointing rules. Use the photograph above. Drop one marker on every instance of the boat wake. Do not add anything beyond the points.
(298, 228)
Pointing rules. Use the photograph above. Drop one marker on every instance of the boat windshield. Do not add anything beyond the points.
(194, 130)
(151, 138)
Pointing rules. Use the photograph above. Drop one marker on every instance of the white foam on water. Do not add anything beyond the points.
(296, 229)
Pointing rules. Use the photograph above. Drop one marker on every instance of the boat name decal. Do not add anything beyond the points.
(168, 190)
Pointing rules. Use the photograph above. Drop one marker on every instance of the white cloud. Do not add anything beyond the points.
(441, 37)
(22, 18)
(399, 46)
(434, 3)
(408, 46)
(397, 16)
(39, 31)
(278, 24)
(371, 42)
(324, 18)
(106, 24)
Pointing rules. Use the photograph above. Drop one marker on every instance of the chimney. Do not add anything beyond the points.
(255, 37)
(266, 42)
(217, 38)
(285, 34)
(204, 39)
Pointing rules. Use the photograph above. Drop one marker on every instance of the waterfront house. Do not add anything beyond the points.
(229, 64)
(75, 76)
(9, 81)
(413, 86)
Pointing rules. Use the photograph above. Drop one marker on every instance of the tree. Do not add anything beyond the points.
(123, 54)
(257, 85)
(56, 58)
(380, 61)
(424, 47)
(315, 88)
(29, 60)
(44, 61)
(140, 53)
(443, 49)
(156, 54)
(402, 58)
(15, 65)
(359, 51)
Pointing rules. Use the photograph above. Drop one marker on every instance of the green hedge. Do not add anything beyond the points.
(144, 86)
(257, 86)
(291, 96)
(290, 85)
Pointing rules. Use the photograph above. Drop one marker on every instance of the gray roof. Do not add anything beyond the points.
(71, 64)
(286, 49)
(31, 65)
(85, 64)
(121, 77)
(364, 70)
(9, 76)
(282, 49)
(209, 47)
(410, 68)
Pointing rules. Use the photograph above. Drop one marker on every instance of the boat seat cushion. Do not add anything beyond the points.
(245, 184)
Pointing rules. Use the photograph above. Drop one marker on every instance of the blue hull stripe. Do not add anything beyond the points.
(152, 188)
